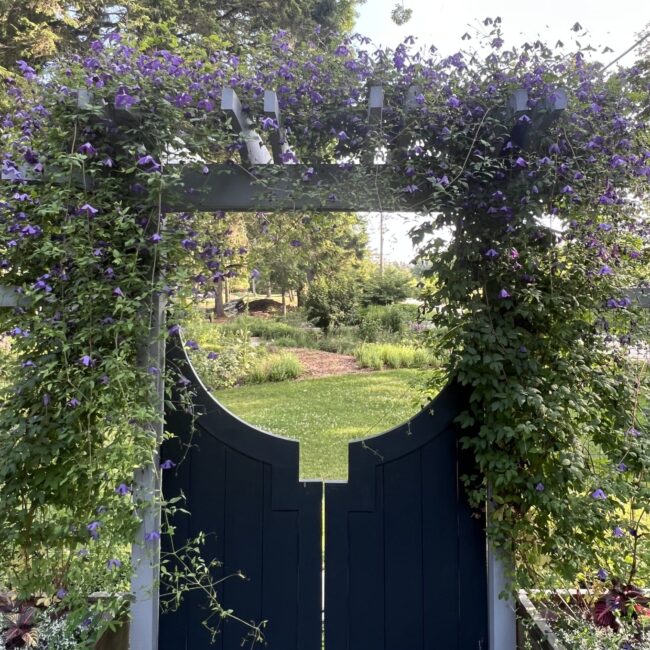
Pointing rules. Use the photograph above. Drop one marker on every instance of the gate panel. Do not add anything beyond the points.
(405, 560)
(242, 490)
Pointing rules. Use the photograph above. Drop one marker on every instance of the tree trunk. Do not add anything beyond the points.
(218, 300)
(226, 290)
(300, 296)
(269, 290)
(284, 302)
(253, 286)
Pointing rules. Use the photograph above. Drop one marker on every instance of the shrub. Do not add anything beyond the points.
(394, 284)
(378, 355)
(379, 322)
(275, 367)
(332, 302)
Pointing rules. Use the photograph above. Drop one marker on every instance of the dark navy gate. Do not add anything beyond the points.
(405, 558)
(241, 487)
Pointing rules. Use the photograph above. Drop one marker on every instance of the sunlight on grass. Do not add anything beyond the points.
(324, 414)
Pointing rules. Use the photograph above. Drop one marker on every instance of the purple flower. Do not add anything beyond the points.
(167, 464)
(122, 489)
(212, 356)
(255, 274)
(86, 360)
(88, 210)
(618, 532)
(554, 149)
(46, 399)
(118, 292)
(540, 487)
(567, 189)
(598, 495)
(113, 564)
(143, 161)
(93, 528)
(521, 163)
(269, 123)
(174, 329)
(453, 102)
(296, 243)
(124, 101)
(342, 136)
(192, 345)
(635, 433)
(87, 149)
(621, 467)
(605, 226)
(602, 575)
(61, 593)
(491, 253)
(504, 294)
(153, 536)
(28, 364)
(73, 403)
(605, 270)
(152, 370)
(155, 238)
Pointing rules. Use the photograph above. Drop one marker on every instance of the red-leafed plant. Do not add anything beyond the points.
(625, 602)
(21, 631)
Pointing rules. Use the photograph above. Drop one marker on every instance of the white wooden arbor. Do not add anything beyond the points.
(270, 179)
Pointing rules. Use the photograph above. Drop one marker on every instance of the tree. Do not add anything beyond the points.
(36, 31)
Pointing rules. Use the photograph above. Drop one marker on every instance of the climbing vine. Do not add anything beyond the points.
(545, 210)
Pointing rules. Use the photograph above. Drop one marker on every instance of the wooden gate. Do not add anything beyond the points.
(405, 559)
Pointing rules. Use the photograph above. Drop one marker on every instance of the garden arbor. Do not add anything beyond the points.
(266, 182)
(476, 145)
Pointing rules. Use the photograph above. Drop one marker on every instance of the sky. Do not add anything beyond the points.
(442, 23)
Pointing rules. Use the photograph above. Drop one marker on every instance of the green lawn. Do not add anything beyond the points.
(324, 414)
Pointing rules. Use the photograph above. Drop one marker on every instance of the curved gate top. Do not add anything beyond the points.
(400, 565)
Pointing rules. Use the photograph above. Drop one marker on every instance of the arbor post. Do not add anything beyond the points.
(145, 555)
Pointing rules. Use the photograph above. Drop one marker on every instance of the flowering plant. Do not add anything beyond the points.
(545, 212)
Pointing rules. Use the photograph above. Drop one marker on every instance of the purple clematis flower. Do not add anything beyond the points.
(86, 360)
(192, 345)
(598, 495)
(635, 433)
(618, 532)
(504, 294)
(605, 270)
(87, 149)
(621, 467)
(153, 536)
(88, 210)
(521, 163)
(73, 403)
(155, 238)
(167, 464)
(540, 487)
(212, 356)
(123, 489)
(93, 528)
(124, 101)
(113, 564)
(602, 575)
(491, 253)
(118, 292)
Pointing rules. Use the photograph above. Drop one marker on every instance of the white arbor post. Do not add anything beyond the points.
(502, 614)
(145, 555)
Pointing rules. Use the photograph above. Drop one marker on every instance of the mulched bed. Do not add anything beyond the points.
(317, 363)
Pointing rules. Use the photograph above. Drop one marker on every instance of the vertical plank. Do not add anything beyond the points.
(280, 581)
(440, 544)
(206, 506)
(367, 578)
(244, 539)
(472, 574)
(310, 549)
(403, 553)
(174, 624)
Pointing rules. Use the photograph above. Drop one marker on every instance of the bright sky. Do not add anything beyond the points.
(443, 22)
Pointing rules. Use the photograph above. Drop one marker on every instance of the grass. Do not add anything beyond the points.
(275, 367)
(324, 414)
(380, 355)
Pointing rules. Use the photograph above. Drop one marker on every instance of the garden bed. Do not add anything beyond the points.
(563, 620)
